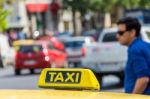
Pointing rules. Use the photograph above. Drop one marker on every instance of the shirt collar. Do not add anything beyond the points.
(134, 41)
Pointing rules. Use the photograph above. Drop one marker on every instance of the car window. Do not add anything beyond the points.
(50, 46)
(148, 34)
(110, 37)
(30, 48)
(73, 44)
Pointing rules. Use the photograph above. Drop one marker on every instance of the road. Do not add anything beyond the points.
(27, 81)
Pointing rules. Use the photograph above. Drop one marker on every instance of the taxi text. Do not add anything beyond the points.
(63, 77)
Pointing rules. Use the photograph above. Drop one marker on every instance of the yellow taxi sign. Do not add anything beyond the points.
(18, 43)
(22, 42)
(68, 79)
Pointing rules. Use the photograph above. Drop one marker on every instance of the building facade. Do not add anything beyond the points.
(38, 15)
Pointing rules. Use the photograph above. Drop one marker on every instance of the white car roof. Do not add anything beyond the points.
(144, 29)
(108, 30)
(78, 38)
(114, 29)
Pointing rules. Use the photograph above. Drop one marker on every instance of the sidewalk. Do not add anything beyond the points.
(4, 67)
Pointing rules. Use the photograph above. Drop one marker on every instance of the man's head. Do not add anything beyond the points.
(128, 29)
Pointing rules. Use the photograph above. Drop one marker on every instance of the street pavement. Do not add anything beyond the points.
(29, 81)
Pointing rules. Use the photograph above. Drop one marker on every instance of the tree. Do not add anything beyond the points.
(128, 4)
(144, 4)
(3, 15)
(107, 6)
(81, 6)
(103, 7)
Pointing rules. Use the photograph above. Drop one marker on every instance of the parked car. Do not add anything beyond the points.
(38, 54)
(107, 56)
(75, 50)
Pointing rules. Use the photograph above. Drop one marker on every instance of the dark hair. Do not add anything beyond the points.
(131, 23)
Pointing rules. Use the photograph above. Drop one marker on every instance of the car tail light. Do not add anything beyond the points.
(83, 51)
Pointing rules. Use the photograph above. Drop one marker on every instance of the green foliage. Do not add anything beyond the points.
(144, 3)
(104, 5)
(3, 21)
(3, 15)
(128, 4)
(77, 5)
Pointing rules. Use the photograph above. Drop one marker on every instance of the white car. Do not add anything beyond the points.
(108, 56)
(75, 50)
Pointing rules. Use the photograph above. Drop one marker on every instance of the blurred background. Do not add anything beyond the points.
(35, 34)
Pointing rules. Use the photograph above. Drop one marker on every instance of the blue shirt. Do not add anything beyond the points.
(138, 64)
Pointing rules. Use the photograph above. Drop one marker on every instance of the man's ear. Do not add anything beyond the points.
(133, 33)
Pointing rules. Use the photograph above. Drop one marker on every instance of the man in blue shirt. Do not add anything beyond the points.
(137, 70)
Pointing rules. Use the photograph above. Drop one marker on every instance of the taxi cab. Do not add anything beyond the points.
(67, 84)
(37, 54)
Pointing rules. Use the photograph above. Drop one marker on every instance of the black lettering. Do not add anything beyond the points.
(67, 77)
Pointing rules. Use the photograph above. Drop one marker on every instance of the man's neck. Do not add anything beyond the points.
(131, 41)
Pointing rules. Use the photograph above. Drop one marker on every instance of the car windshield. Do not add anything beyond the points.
(110, 37)
(73, 44)
(30, 48)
